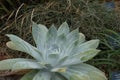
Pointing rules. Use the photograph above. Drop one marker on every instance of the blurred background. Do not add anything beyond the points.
(95, 18)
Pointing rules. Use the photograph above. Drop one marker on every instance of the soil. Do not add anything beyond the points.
(14, 77)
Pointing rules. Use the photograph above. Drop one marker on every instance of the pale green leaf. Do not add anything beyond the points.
(70, 61)
(39, 33)
(51, 36)
(70, 49)
(71, 40)
(26, 65)
(8, 64)
(92, 44)
(86, 55)
(53, 58)
(42, 76)
(29, 75)
(72, 37)
(80, 57)
(61, 61)
(84, 72)
(79, 77)
(63, 29)
(20, 45)
(61, 40)
(89, 44)
(58, 76)
(73, 48)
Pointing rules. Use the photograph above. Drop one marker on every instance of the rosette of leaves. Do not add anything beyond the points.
(58, 55)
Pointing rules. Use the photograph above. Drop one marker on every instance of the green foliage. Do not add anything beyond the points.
(111, 39)
(109, 57)
(58, 55)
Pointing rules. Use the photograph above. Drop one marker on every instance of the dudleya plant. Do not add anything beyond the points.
(58, 55)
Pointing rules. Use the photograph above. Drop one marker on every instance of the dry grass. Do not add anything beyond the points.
(90, 17)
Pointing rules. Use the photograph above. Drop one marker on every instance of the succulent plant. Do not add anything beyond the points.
(58, 55)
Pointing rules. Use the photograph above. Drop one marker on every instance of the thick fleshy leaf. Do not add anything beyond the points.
(92, 44)
(51, 36)
(61, 61)
(26, 65)
(80, 57)
(39, 33)
(42, 76)
(84, 72)
(29, 75)
(63, 29)
(71, 49)
(79, 77)
(61, 40)
(72, 37)
(89, 44)
(70, 62)
(20, 45)
(86, 55)
(8, 64)
(58, 76)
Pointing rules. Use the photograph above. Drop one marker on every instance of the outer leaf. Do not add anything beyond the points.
(89, 44)
(63, 29)
(79, 77)
(92, 44)
(21, 45)
(8, 64)
(39, 33)
(27, 65)
(29, 76)
(42, 76)
(84, 72)
(80, 57)
(86, 55)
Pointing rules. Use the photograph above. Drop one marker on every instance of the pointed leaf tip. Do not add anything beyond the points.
(39, 33)
(63, 29)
